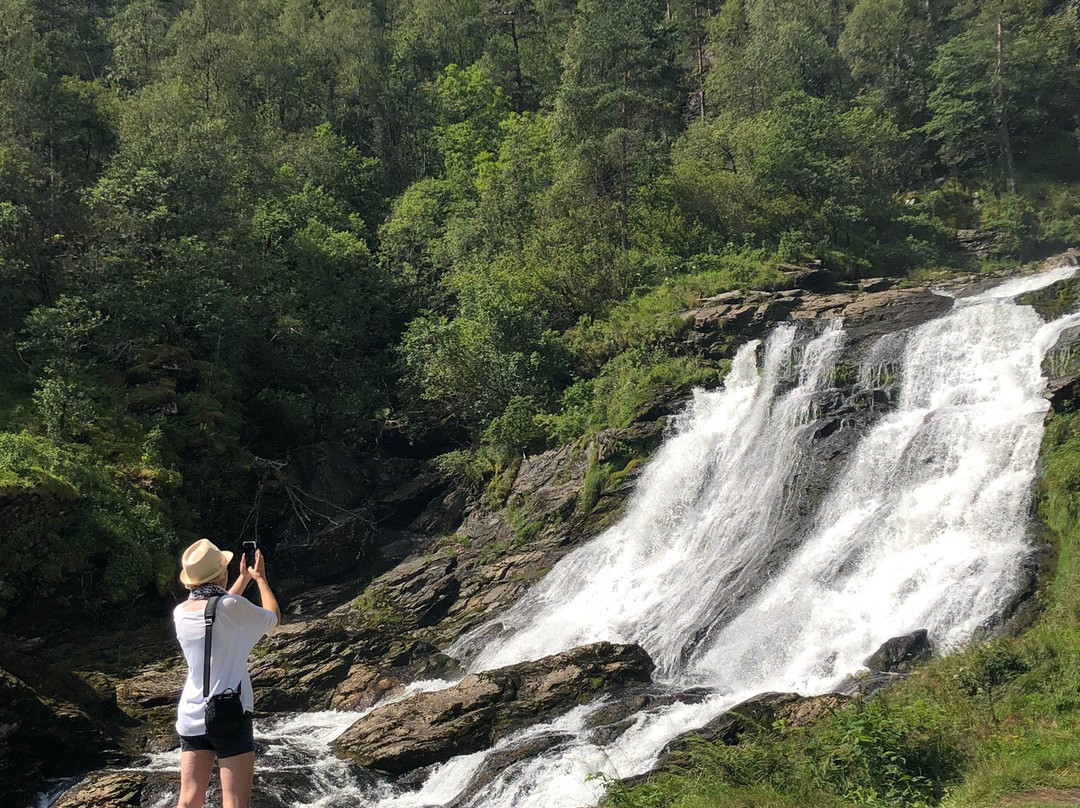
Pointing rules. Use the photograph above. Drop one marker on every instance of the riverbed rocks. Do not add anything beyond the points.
(111, 789)
(759, 713)
(472, 715)
(901, 654)
(133, 788)
(869, 309)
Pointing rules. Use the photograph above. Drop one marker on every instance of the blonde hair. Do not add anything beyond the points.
(221, 580)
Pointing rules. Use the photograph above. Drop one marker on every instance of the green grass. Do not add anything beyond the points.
(651, 318)
(626, 388)
(377, 609)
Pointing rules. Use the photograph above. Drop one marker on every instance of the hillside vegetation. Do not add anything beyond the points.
(233, 228)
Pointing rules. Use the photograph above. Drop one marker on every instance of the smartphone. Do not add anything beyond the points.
(249, 553)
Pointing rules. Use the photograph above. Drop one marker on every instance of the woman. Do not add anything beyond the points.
(238, 625)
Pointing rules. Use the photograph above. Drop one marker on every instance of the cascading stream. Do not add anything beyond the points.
(730, 586)
(924, 528)
(712, 495)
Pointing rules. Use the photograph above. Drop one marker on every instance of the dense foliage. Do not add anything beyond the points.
(230, 228)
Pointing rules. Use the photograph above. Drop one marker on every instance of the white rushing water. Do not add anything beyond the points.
(730, 587)
(925, 527)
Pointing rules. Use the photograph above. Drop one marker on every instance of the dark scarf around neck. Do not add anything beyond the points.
(204, 591)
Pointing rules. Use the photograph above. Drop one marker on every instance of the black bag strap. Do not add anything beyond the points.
(208, 622)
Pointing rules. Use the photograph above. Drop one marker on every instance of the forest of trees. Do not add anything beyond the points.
(231, 228)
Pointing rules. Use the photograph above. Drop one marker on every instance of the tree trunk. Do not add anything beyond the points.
(624, 194)
(519, 83)
(1001, 100)
(700, 43)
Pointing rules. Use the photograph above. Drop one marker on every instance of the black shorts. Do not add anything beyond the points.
(225, 749)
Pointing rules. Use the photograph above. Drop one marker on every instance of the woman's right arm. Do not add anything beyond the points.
(266, 596)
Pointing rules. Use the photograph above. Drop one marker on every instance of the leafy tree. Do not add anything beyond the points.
(616, 100)
(1008, 79)
(888, 46)
(472, 107)
(137, 31)
(472, 366)
(412, 248)
(763, 49)
(513, 186)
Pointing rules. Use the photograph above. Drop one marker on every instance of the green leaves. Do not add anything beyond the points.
(1025, 78)
(83, 533)
(873, 754)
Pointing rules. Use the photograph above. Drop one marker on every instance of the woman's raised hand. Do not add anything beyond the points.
(258, 572)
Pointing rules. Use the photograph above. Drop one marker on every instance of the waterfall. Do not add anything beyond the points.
(924, 526)
(699, 530)
(746, 562)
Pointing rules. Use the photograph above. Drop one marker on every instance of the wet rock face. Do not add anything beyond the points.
(474, 714)
(901, 654)
(1061, 365)
(870, 309)
(41, 737)
(896, 657)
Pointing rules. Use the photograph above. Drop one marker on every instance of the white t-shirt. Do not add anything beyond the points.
(238, 625)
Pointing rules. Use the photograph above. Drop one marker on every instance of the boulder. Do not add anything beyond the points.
(760, 712)
(299, 665)
(42, 738)
(362, 687)
(901, 654)
(482, 708)
(109, 789)
(813, 278)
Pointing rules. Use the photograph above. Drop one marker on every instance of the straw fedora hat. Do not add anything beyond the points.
(203, 562)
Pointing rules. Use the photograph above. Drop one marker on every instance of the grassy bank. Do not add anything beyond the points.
(997, 724)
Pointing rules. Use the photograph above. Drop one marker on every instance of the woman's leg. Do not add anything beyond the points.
(195, 770)
(237, 774)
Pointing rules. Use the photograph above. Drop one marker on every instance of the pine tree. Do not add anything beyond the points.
(618, 96)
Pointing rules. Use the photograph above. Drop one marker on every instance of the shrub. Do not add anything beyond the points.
(626, 388)
(873, 754)
(77, 528)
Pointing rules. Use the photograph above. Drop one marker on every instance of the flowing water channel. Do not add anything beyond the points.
(721, 571)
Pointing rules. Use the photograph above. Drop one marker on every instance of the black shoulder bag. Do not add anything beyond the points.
(224, 712)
